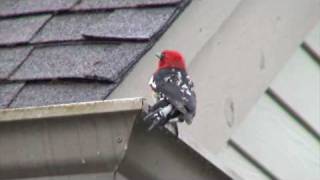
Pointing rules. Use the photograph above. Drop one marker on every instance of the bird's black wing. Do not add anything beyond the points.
(177, 87)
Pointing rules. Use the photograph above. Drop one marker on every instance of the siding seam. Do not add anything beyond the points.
(252, 160)
(277, 98)
(311, 51)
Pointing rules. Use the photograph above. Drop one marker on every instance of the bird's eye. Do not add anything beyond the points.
(162, 56)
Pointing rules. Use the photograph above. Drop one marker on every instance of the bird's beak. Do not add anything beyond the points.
(159, 55)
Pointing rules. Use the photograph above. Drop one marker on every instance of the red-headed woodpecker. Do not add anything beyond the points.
(174, 91)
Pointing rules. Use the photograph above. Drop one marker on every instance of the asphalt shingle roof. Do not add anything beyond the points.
(64, 51)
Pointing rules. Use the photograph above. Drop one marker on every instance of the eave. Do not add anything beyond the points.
(95, 137)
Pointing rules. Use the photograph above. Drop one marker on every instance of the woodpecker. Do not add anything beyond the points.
(173, 92)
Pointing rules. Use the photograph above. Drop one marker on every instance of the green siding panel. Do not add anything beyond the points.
(298, 84)
(279, 143)
(312, 42)
(239, 164)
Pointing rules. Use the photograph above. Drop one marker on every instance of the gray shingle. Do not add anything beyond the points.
(120, 60)
(90, 61)
(11, 58)
(68, 26)
(135, 24)
(112, 4)
(7, 92)
(20, 30)
(59, 92)
(19, 7)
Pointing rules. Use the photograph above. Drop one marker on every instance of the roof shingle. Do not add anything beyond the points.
(68, 27)
(114, 4)
(60, 92)
(102, 61)
(21, 7)
(132, 24)
(11, 58)
(8, 91)
(21, 29)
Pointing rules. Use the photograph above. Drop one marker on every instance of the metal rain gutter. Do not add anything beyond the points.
(94, 137)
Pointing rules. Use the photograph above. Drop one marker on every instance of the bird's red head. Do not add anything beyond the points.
(171, 59)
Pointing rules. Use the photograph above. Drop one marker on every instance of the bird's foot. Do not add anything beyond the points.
(155, 118)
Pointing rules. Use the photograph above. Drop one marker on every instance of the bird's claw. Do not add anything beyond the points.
(154, 124)
(155, 118)
(148, 117)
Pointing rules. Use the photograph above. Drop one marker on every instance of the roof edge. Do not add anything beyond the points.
(73, 109)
